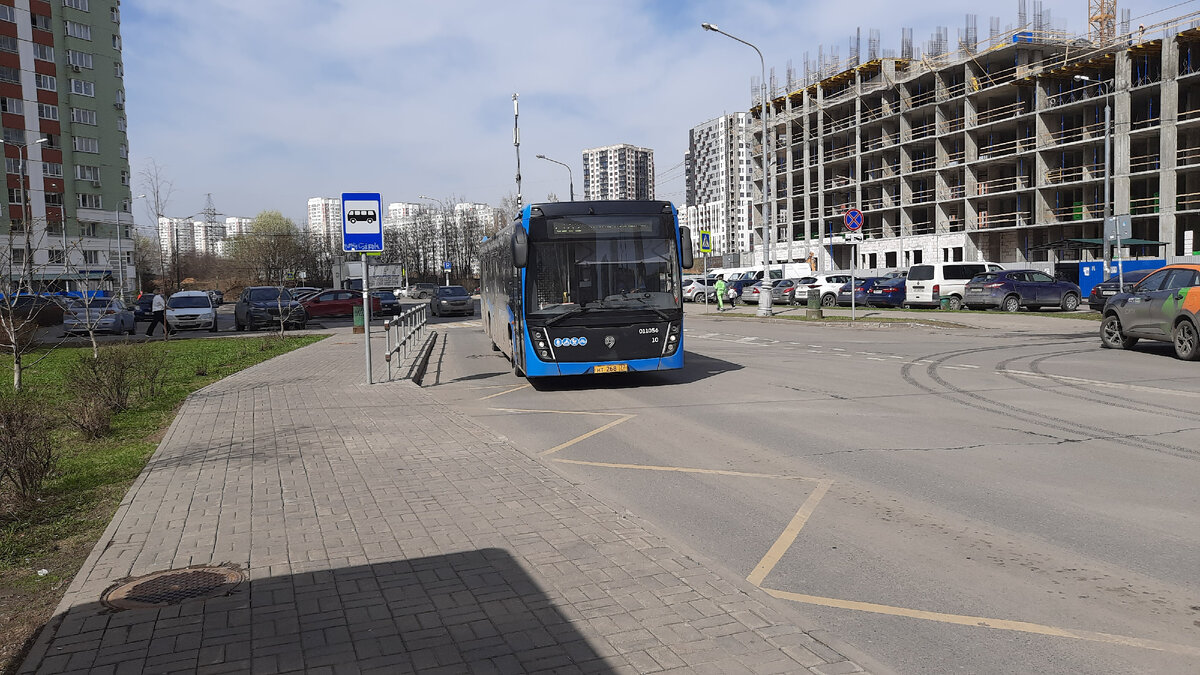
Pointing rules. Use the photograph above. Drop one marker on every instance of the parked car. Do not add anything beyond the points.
(388, 304)
(696, 290)
(302, 291)
(102, 315)
(143, 307)
(422, 291)
(862, 291)
(896, 274)
(1164, 306)
(752, 292)
(930, 282)
(888, 293)
(218, 297)
(42, 310)
(783, 292)
(451, 300)
(827, 284)
(1011, 290)
(1104, 290)
(191, 310)
(335, 302)
(266, 306)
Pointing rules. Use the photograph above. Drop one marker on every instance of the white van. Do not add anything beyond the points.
(928, 283)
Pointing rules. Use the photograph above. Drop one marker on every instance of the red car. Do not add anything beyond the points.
(334, 302)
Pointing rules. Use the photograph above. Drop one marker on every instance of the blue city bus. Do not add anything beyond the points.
(576, 288)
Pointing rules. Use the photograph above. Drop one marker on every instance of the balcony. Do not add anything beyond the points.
(1073, 174)
(1085, 92)
(1000, 113)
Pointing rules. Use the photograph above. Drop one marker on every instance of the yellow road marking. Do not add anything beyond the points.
(573, 441)
(785, 540)
(505, 392)
(558, 412)
(982, 622)
(1100, 383)
(681, 469)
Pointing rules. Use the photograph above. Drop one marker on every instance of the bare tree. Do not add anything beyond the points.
(158, 188)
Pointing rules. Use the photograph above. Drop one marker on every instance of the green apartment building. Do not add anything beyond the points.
(62, 104)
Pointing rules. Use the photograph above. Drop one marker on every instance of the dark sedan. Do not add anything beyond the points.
(143, 307)
(451, 300)
(1010, 290)
(862, 291)
(887, 293)
(1104, 290)
(388, 304)
(267, 307)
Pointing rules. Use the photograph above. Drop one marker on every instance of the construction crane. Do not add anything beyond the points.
(1102, 21)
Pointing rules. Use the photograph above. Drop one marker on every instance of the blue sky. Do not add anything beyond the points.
(264, 103)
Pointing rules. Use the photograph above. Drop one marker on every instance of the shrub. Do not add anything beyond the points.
(150, 372)
(109, 377)
(90, 414)
(26, 454)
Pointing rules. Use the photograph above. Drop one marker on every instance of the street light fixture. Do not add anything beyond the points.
(570, 174)
(764, 298)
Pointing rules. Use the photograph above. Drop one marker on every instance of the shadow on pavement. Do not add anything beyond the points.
(475, 611)
(696, 367)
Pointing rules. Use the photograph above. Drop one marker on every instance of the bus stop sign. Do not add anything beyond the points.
(362, 224)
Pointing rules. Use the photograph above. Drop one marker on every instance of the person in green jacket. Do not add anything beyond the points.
(720, 288)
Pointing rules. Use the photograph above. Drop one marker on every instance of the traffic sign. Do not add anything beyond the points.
(362, 225)
(705, 241)
(854, 220)
(446, 266)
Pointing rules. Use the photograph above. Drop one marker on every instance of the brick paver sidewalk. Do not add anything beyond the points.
(382, 531)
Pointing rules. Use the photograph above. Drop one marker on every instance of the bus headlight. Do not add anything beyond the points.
(672, 342)
(541, 342)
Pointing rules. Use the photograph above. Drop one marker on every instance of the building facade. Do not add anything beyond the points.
(618, 172)
(325, 220)
(178, 234)
(719, 183)
(62, 102)
(991, 154)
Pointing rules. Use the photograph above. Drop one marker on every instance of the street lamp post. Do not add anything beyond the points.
(570, 174)
(445, 243)
(764, 298)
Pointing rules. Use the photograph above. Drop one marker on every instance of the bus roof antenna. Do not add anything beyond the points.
(517, 145)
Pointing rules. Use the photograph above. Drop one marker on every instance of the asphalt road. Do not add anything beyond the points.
(999, 500)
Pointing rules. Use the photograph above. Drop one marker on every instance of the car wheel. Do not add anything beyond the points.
(955, 303)
(828, 300)
(1187, 341)
(905, 305)
(1011, 304)
(1070, 302)
(1111, 335)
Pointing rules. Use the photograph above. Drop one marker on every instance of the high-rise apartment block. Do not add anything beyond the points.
(325, 220)
(618, 172)
(62, 102)
(994, 151)
(719, 182)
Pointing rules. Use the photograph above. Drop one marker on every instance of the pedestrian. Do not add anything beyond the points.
(158, 307)
(720, 287)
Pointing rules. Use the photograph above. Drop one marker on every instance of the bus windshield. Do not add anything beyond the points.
(601, 274)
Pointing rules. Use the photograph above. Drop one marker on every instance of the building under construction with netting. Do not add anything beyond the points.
(994, 150)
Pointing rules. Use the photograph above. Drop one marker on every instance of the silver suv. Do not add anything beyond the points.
(421, 291)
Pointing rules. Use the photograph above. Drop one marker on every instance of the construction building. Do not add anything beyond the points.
(991, 150)
(618, 172)
(62, 100)
(719, 182)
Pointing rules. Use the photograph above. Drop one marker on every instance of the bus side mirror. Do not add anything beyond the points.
(520, 247)
(688, 257)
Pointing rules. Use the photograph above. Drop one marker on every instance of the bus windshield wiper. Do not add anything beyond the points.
(641, 297)
(570, 312)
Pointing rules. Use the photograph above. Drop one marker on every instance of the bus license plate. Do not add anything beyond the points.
(614, 368)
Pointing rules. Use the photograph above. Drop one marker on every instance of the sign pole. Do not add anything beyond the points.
(366, 270)
(362, 232)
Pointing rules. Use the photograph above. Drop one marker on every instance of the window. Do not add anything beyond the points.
(84, 172)
(16, 196)
(83, 116)
(1179, 278)
(86, 144)
(18, 255)
(123, 151)
(12, 105)
(117, 42)
(53, 141)
(8, 43)
(122, 125)
(52, 169)
(90, 202)
(120, 97)
(87, 229)
(16, 136)
(43, 52)
(83, 87)
(81, 5)
(91, 257)
(1041, 277)
(125, 180)
(1147, 285)
(81, 59)
(8, 74)
(47, 111)
(79, 30)
(55, 256)
(47, 82)
(12, 165)
(41, 22)
(116, 14)
(54, 199)
(7, 13)
(119, 69)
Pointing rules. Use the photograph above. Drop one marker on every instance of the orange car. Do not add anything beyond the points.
(1165, 306)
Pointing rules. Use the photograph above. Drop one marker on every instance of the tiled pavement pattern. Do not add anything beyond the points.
(384, 532)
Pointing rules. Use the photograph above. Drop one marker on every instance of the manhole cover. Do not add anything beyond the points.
(172, 587)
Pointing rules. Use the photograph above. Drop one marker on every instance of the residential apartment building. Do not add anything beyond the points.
(992, 152)
(209, 237)
(719, 196)
(178, 234)
(236, 226)
(618, 172)
(325, 220)
(62, 104)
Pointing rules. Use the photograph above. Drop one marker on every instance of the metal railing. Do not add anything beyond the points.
(410, 327)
